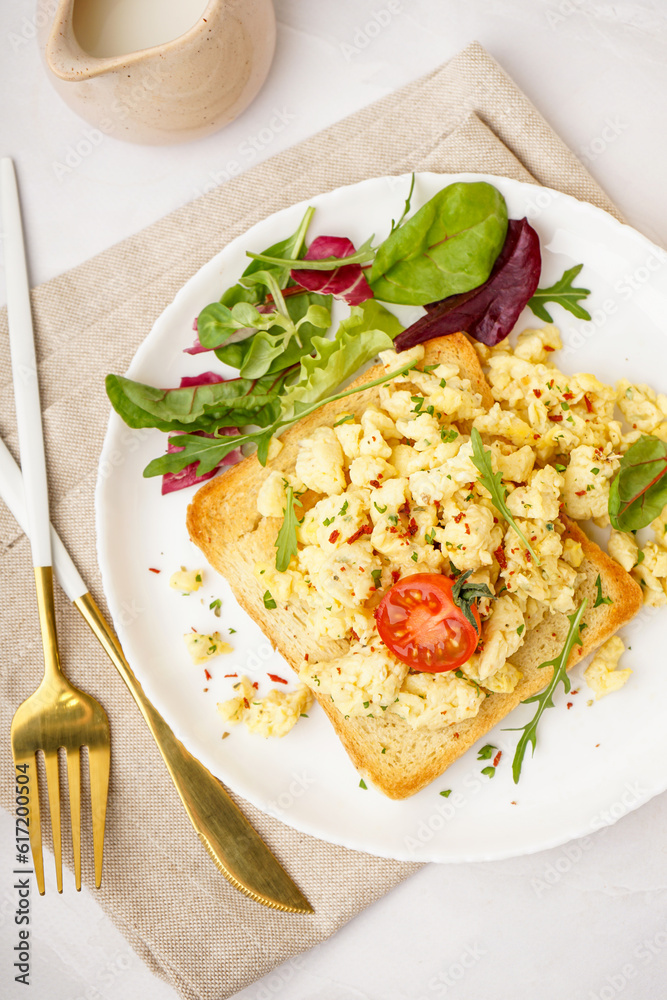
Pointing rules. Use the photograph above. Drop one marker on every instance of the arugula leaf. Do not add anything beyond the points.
(202, 407)
(406, 207)
(465, 594)
(286, 540)
(638, 491)
(206, 451)
(363, 255)
(493, 483)
(449, 246)
(599, 599)
(564, 293)
(291, 249)
(545, 698)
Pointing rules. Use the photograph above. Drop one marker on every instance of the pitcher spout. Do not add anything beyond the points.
(64, 56)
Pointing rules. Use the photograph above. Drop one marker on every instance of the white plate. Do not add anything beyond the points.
(593, 763)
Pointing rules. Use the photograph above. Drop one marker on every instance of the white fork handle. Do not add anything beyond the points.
(24, 371)
(11, 491)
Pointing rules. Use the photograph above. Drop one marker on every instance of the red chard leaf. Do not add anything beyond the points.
(206, 378)
(489, 312)
(346, 282)
(173, 481)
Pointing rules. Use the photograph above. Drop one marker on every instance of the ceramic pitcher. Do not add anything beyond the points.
(173, 92)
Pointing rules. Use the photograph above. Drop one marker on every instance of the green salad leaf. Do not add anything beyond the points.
(562, 292)
(368, 329)
(201, 408)
(491, 481)
(448, 246)
(544, 700)
(638, 491)
(237, 354)
(208, 452)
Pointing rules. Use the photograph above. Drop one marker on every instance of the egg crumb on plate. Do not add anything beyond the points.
(186, 580)
(273, 715)
(203, 647)
(602, 674)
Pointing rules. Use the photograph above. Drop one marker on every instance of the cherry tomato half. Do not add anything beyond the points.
(419, 622)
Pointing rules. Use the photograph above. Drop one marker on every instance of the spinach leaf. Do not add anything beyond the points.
(447, 247)
(638, 492)
(202, 407)
(562, 292)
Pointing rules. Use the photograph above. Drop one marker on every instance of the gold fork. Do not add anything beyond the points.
(58, 715)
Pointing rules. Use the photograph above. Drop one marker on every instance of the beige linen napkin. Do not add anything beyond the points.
(159, 885)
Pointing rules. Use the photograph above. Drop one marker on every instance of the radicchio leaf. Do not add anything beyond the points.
(197, 347)
(489, 312)
(346, 282)
(173, 481)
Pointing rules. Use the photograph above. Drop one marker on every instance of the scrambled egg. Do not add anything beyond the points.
(602, 674)
(186, 580)
(203, 647)
(273, 715)
(398, 493)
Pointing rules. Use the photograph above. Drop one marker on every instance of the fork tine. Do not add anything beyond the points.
(98, 765)
(74, 783)
(53, 786)
(34, 826)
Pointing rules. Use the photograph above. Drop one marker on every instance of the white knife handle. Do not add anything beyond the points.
(24, 371)
(11, 491)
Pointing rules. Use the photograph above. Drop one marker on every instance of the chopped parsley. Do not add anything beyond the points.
(487, 752)
(599, 599)
(269, 602)
(215, 606)
(380, 510)
(447, 792)
(362, 784)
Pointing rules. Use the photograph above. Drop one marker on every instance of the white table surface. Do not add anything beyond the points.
(588, 920)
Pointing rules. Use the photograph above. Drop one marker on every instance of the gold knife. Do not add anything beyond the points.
(235, 846)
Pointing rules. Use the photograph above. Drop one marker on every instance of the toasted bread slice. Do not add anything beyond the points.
(223, 521)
